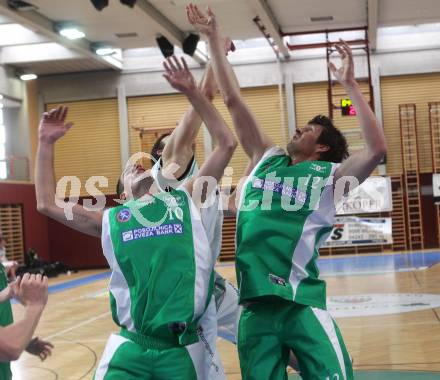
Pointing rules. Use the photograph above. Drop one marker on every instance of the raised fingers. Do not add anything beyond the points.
(190, 14)
(185, 65)
(167, 67)
(63, 113)
(346, 46)
(332, 67)
(171, 64)
(198, 12)
(340, 50)
(177, 63)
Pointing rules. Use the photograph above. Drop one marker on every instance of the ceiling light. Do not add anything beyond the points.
(72, 33)
(28, 76)
(69, 30)
(105, 51)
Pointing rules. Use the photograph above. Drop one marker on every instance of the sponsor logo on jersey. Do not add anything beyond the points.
(277, 280)
(317, 168)
(127, 236)
(148, 232)
(280, 188)
(124, 215)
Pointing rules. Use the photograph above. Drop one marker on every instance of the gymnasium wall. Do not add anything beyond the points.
(75, 249)
(165, 111)
(418, 89)
(35, 225)
(430, 226)
(92, 146)
(311, 99)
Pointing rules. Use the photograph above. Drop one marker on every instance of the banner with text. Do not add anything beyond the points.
(373, 195)
(436, 187)
(351, 231)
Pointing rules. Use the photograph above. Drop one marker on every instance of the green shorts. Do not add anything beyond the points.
(127, 360)
(267, 331)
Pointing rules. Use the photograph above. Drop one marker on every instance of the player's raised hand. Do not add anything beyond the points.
(205, 24)
(178, 75)
(345, 73)
(53, 125)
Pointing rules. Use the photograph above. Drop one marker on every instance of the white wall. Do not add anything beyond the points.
(9, 85)
(15, 119)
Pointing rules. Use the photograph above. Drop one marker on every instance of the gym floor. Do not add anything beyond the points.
(387, 306)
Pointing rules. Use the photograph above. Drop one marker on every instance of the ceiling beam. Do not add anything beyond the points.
(163, 26)
(373, 16)
(268, 19)
(36, 21)
(51, 51)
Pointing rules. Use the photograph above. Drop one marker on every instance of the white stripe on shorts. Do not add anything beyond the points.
(204, 354)
(113, 343)
(326, 321)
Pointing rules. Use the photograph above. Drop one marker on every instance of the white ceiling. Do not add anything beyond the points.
(168, 17)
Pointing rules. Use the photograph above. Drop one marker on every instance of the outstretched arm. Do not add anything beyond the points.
(179, 147)
(254, 141)
(53, 127)
(363, 162)
(181, 79)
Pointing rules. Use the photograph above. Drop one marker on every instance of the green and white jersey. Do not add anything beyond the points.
(6, 319)
(286, 212)
(161, 277)
(212, 216)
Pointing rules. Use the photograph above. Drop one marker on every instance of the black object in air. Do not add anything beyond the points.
(129, 3)
(190, 43)
(165, 46)
(99, 4)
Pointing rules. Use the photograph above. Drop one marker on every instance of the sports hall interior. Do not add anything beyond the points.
(385, 295)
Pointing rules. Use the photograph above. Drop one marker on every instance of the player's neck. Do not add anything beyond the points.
(298, 158)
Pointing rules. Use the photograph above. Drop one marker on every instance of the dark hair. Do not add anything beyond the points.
(158, 145)
(119, 188)
(333, 138)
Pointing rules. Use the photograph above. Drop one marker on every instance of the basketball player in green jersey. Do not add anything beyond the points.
(277, 241)
(179, 147)
(157, 249)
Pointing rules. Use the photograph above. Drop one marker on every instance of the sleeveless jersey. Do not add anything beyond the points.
(286, 212)
(161, 277)
(6, 319)
(212, 216)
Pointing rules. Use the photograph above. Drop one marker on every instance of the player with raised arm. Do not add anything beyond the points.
(158, 251)
(277, 242)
